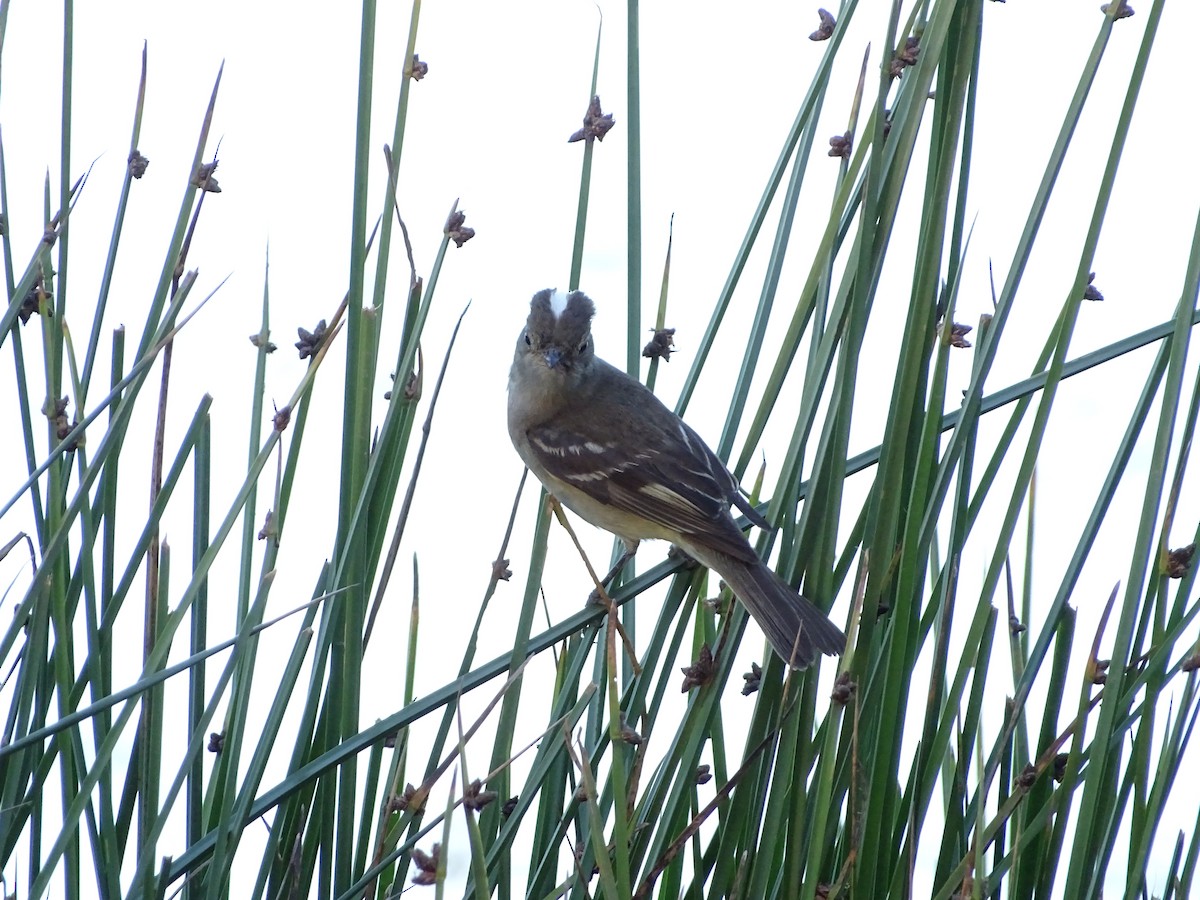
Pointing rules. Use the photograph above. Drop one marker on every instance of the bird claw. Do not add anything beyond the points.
(678, 554)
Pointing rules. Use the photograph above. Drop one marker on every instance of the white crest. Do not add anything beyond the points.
(558, 302)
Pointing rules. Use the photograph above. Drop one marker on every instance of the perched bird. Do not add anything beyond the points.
(609, 450)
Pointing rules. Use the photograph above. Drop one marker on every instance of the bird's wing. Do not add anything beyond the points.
(671, 479)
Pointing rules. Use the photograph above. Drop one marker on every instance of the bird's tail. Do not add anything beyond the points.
(796, 629)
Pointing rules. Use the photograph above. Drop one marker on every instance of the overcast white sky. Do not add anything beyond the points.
(507, 84)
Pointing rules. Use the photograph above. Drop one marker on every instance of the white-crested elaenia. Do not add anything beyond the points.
(609, 450)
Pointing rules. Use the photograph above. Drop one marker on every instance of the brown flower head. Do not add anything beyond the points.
(31, 303)
(204, 179)
(841, 145)
(958, 336)
(844, 689)
(906, 56)
(700, 672)
(412, 799)
(662, 345)
(1179, 561)
(753, 680)
(258, 340)
(1028, 777)
(137, 164)
(456, 230)
(310, 341)
(476, 798)
(1123, 9)
(500, 570)
(596, 124)
(825, 30)
(427, 865)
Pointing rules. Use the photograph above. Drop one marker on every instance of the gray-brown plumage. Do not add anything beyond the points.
(609, 450)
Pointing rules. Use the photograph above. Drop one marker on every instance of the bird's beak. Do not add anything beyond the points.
(553, 357)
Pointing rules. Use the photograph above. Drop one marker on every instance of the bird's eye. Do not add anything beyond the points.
(583, 346)
(528, 342)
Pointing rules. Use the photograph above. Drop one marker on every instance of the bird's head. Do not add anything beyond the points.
(558, 334)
